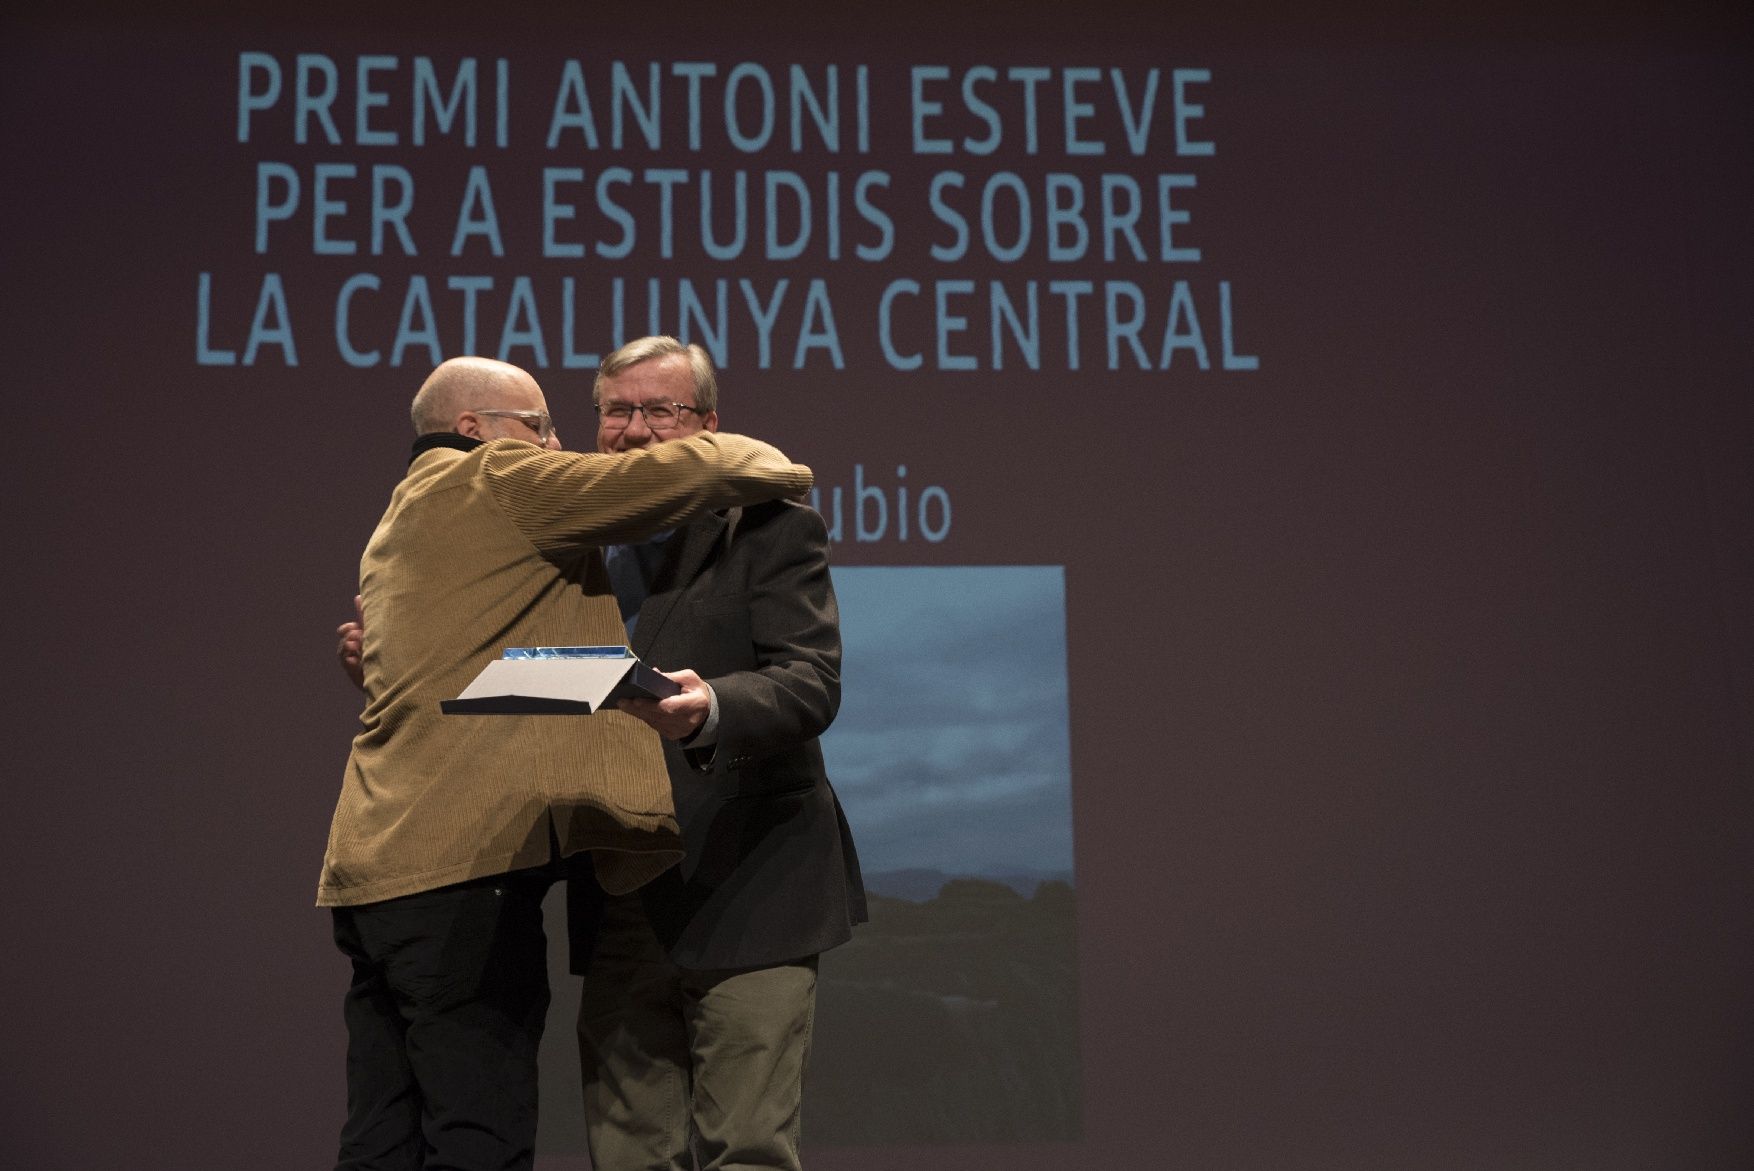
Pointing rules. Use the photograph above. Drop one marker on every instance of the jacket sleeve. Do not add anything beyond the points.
(561, 500)
(792, 692)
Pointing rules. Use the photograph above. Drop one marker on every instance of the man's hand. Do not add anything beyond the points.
(352, 644)
(675, 718)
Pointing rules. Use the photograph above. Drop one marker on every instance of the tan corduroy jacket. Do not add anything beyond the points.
(495, 547)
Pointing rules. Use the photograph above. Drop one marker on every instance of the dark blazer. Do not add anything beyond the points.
(770, 873)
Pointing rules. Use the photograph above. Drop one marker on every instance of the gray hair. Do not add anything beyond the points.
(700, 364)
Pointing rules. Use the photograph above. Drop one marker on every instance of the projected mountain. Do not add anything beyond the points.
(952, 1020)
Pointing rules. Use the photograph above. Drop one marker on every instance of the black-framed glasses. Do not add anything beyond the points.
(538, 421)
(658, 416)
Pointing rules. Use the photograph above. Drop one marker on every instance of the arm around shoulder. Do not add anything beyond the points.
(569, 498)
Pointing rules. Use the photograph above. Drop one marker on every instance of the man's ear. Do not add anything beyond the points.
(709, 421)
(469, 424)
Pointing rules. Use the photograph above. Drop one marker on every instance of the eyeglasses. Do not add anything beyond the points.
(658, 416)
(537, 421)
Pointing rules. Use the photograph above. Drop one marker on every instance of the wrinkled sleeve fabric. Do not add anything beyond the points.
(561, 500)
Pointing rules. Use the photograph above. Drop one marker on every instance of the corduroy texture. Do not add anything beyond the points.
(499, 547)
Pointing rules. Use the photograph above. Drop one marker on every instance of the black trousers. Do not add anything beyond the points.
(444, 1021)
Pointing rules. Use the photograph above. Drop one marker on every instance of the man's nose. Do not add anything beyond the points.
(552, 443)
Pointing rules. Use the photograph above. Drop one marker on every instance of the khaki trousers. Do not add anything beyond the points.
(690, 1068)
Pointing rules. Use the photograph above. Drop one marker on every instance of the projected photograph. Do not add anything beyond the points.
(952, 1015)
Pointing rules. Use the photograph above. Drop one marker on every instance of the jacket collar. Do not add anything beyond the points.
(690, 548)
(437, 439)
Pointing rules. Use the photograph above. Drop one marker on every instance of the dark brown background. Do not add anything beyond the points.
(1411, 717)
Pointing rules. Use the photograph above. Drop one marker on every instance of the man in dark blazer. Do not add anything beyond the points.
(699, 989)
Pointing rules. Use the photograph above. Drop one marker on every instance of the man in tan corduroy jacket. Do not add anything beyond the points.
(449, 828)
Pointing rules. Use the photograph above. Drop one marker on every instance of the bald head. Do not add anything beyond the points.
(483, 399)
(462, 385)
